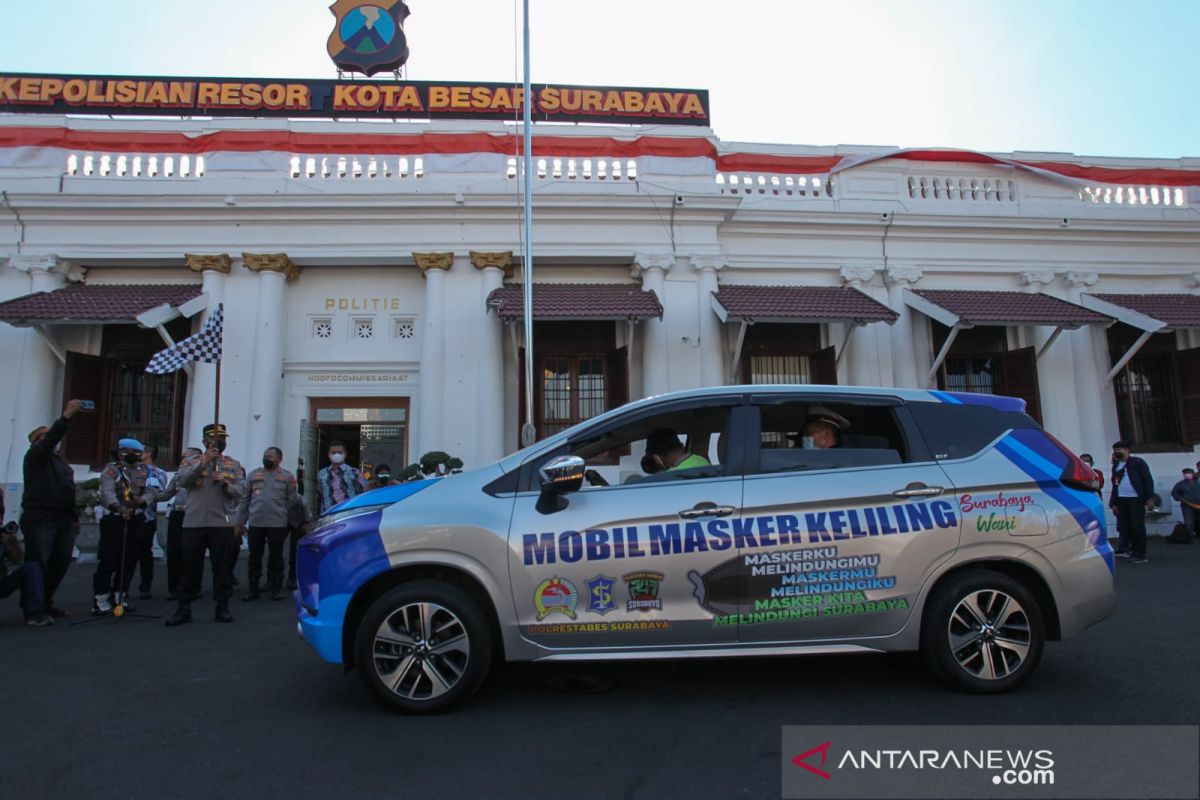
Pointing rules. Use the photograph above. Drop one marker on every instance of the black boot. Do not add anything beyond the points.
(251, 595)
(223, 614)
(182, 615)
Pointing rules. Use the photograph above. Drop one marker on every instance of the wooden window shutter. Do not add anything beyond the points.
(1187, 372)
(618, 383)
(824, 366)
(1019, 378)
(618, 378)
(84, 380)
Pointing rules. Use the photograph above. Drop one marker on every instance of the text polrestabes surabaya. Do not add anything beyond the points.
(598, 544)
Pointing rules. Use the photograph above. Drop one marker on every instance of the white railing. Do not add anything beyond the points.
(356, 167)
(578, 169)
(985, 190)
(124, 165)
(808, 186)
(1160, 196)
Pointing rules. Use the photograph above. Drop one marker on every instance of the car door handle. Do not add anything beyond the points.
(918, 490)
(706, 510)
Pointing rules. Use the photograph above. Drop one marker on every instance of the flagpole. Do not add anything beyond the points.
(217, 396)
(528, 431)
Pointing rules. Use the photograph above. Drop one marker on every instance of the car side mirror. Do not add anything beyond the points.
(560, 475)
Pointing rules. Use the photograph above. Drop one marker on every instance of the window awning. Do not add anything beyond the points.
(577, 301)
(969, 308)
(1148, 312)
(86, 304)
(799, 304)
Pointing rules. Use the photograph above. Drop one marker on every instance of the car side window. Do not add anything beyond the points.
(806, 434)
(685, 442)
(961, 431)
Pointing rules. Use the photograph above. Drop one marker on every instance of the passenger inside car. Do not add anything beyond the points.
(824, 439)
(823, 429)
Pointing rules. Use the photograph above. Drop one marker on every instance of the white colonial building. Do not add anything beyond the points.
(371, 293)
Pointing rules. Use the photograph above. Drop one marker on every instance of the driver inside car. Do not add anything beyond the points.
(665, 451)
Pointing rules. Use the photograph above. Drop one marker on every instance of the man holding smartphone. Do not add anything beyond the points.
(48, 516)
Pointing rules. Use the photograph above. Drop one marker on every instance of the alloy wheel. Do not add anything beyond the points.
(989, 634)
(421, 650)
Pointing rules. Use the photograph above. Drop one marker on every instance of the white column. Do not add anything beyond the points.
(38, 402)
(859, 352)
(1090, 387)
(204, 382)
(430, 391)
(906, 372)
(652, 270)
(493, 268)
(712, 363)
(270, 323)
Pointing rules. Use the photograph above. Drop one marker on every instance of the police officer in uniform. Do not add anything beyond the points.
(269, 500)
(125, 494)
(214, 483)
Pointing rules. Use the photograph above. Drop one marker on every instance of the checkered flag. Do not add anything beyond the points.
(203, 346)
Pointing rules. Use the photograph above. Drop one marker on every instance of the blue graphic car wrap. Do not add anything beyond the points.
(337, 558)
(1039, 458)
(998, 402)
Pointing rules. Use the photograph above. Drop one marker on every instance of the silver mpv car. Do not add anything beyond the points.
(740, 520)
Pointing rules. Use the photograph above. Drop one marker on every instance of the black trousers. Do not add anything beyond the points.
(49, 542)
(1131, 522)
(146, 556)
(175, 550)
(294, 535)
(120, 546)
(272, 539)
(219, 542)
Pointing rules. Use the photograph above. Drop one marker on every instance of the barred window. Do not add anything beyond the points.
(573, 388)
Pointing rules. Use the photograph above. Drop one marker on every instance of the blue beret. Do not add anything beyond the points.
(130, 444)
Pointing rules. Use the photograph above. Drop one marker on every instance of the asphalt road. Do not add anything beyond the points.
(131, 709)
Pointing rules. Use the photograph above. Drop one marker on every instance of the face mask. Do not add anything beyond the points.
(337, 458)
(808, 443)
(384, 478)
(269, 463)
(131, 458)
(220, 445)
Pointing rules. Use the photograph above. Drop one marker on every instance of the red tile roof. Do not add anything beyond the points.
(814, 303)
(1010, 308)
(86, 303)
(577, 301)
(1176, 310)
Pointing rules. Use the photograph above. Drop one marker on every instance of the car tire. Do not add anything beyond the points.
(423, 647)
(982, 632)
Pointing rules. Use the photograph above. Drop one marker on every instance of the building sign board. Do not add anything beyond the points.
(28, 93)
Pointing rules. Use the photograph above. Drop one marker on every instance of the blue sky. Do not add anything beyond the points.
(1093, 77)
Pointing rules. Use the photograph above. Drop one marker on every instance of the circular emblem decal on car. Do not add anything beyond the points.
(555, 594)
